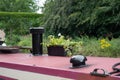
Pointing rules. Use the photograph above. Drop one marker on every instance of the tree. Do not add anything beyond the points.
(11, 23)
(18, 5)
(83, 17)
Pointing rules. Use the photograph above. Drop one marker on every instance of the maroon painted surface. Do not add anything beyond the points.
(58, 66)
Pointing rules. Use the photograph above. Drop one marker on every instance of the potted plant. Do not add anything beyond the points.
(59, 46)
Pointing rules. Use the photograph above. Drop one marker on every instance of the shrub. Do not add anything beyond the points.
(102, 47)
(12, 39)
(25, 41)
(70, 46)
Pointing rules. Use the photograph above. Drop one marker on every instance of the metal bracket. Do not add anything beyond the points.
(95, 73)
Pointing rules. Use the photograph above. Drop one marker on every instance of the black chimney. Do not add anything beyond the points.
(37, 40)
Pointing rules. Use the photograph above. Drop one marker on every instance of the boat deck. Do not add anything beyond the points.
(57, 67)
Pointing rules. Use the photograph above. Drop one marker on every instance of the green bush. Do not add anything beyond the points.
(115, 47)
(20, 14)
(12, 39)
(92, 47)
(83, 17)
(25, 41)
(89, 46)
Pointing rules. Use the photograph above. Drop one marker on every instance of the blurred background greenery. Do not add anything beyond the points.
(88, 21)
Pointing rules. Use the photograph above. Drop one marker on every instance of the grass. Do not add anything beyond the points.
(90, 46)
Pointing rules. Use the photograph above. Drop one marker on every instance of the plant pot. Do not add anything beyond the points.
(56, 50)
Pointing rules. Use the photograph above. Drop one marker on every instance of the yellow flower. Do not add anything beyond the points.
(104, 44)
(102, 47)
(103, 40)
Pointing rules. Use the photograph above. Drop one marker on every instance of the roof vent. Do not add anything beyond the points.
(78, 61)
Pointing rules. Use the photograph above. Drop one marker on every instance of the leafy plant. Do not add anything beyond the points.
(67, 44)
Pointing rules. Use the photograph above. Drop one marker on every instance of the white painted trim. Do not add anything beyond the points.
(25, 75)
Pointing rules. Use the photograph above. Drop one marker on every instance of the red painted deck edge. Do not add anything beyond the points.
(56, 72)
(6, 78)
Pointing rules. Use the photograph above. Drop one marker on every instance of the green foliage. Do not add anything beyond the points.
(18, 5)
(17, 16)
(52, 40)
(19, 22)
(20, 14)
(85, 46)
(83, 17)
(114, 50)
(92, 47)
(70, 46)
(12, 39)
(25, 41)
